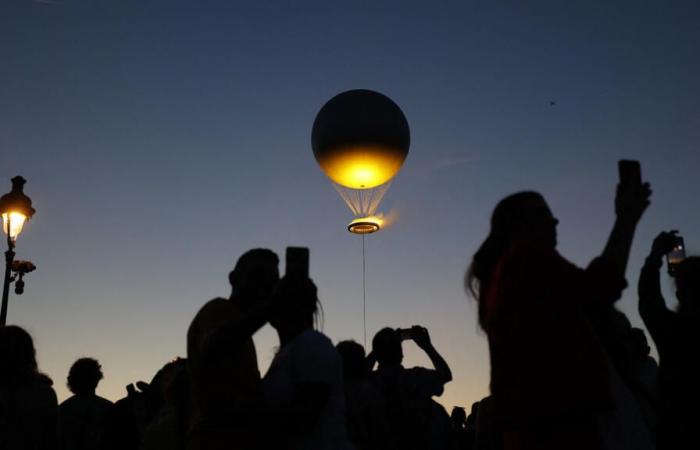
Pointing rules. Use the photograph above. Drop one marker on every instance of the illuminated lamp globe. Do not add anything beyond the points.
(360, 138)
(15, 209)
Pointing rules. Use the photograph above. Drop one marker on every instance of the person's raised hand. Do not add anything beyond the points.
(664, 243)
(631, 200)
(420, 336)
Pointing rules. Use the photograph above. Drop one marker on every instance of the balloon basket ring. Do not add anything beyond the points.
(364, 225)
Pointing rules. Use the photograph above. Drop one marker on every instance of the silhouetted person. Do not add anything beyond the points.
(127, 420)
(442, 433)
(549, 373)
(28, 407)
(631, 421)
(82, 417)
(414, 417)
(365, 407)
(488, 435)
(222, 363)
(677, 338)
(168, 398)
(643, 377)
(458, 416)
(304, 383)
(131, 417)
(464, 433)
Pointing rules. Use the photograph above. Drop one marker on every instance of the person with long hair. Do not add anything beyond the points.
(304, 384)
(549, 373)
(28, 405)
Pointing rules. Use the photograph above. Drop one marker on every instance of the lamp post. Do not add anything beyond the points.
(15, 208)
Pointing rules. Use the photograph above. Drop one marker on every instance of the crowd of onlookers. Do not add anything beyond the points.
(568, 371)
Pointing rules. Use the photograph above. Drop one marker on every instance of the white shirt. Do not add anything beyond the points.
(311, 358)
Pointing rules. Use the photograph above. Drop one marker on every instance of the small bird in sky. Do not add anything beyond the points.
(552, 103)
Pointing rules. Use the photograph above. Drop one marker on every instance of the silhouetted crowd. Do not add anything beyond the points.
(568, 371)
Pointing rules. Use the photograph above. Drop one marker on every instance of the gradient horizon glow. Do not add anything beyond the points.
(162, 139)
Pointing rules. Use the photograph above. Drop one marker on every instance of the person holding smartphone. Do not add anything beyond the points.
(227, 400)
(304, 383)
(677, 338)
(549, 373)
(416, 420)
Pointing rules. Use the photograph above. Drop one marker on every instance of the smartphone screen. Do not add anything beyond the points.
(404, 334)
(297, 262)
(675, 256)
(630, 172)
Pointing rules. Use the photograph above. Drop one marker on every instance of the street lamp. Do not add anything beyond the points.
(16, 209)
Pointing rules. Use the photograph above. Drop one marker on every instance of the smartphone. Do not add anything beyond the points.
(404, 334)
(297, 262)
(630, 172)
(675, 256)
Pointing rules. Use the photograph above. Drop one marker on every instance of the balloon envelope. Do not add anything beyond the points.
(360, 138)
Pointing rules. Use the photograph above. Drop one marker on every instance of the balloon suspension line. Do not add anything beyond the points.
(364, 294)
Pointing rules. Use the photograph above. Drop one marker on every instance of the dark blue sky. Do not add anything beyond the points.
(161, 139)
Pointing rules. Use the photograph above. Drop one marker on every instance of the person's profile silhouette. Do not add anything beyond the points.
(224, 379)
(28, 406)
(549, 373)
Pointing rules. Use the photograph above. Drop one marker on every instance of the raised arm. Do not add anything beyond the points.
(230, 335)
(630, 203)
(652, 307)
(370, 361)
(422, 340)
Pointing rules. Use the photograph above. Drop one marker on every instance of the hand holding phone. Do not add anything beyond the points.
(404, 334)
(632, 197)
(630, 172)
(664, 243)
(675, 256)
(420, 336)
(671, 245)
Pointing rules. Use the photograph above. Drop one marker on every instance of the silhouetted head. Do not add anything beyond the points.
(520, 217)
(165, 386)
(17, 355)
(254, 276)
(353, 356)
(296, 303)
(84, 375)
(386, 346)
(458, 416)
(688, 285)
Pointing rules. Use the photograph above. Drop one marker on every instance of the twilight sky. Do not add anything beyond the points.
(161, 139)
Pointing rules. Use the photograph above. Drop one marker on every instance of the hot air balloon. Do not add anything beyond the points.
(360, 138)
